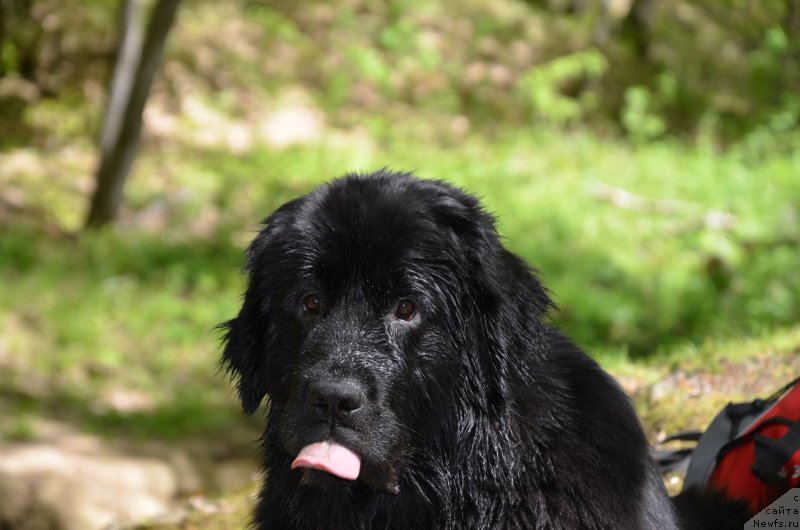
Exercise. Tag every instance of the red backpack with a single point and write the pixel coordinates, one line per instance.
(750, 451)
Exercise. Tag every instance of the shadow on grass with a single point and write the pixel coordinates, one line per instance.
(106, 311)
(185, 417)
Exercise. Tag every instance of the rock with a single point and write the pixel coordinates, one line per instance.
(235, 475)
(185, 469)
(68, 479)
(20, 511)
(50, 487)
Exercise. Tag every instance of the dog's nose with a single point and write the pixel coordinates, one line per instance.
(337, 398)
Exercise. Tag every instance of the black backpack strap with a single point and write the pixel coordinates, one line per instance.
(778, 393)
(771, 455)
(737, 412)
(689, 436)
(724, 428)
(674, 460)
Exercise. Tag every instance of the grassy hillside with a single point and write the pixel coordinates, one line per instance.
(135, 306)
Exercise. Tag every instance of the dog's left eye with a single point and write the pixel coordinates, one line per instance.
(311, 304)
(405, 310)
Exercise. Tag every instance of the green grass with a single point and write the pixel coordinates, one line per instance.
(134, 308)
(623, 279)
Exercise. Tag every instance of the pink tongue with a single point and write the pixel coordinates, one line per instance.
(331, 458)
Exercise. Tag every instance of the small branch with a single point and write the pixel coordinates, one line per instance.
(782, 241)
(711, 219)
(628, 201)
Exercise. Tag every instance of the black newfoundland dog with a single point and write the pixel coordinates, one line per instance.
(413, 380)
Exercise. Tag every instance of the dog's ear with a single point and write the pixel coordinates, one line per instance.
(503, 292)
(512, 307)
(243, 358)
(499, 271)
(460, 212)
(249, 338)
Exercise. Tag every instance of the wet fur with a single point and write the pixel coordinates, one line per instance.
(482, 414)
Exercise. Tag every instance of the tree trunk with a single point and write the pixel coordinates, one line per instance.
(636, 27)
(129, 49)
(791, 23)
(128, 95)
(5, 24)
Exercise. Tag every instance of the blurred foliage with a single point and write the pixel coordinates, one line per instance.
(541, 83)
(645, 68)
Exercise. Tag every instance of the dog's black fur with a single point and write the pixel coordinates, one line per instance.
(474, 413)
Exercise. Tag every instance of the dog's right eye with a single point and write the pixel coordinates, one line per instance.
(405, 310)
(311, 304)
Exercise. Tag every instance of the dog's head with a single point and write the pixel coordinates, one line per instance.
(374, 304)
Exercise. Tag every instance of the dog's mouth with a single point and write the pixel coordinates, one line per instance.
(339, 461)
